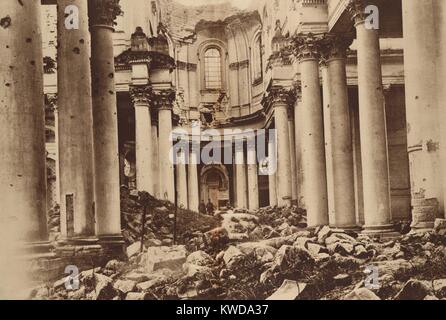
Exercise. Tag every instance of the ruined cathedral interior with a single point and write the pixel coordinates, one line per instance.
(352, 89)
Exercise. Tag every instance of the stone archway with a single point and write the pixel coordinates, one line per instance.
(214, 181)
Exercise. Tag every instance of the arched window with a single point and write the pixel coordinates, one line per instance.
(212, 69)
(257, 60)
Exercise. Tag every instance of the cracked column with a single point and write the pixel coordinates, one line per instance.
(105, 121)
(280, 101)
(253, 181)
(341, 150)
(422, 112)
(77, 208)
(143, 136)
(22, 126)
(164, 100)
(312, 132)
(372, 118)
(240, 171)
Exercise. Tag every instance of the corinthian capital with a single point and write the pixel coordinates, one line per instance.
(307, 46)
(163, 99)
(103, 12)
(334, 46)
(356, 8)
(141, 95)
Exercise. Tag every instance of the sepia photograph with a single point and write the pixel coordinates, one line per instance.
(234, 151)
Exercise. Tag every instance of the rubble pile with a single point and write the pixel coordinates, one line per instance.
(318, 264)
(159, 223)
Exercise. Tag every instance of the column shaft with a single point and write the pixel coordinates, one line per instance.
(192, 181)
(75, 124)
(298, 151)
(313, 144)
(167, 187)
(181, 175)
(328, 143)
(144, 138)
(283, 176)
(341, 156)
(372, 119)
(293, 171)
(240, 165)
(253, 183)
(22, 125)
(422, 111)
(155, 161)
(105, 119)
(272, 157)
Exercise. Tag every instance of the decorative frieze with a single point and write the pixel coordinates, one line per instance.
(239, 65)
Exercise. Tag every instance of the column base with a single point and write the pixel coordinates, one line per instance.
(38, 247)
(346, 229)
(386, 231)
(113, 245)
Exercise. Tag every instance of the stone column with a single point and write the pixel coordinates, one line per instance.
(281, 99)
(240, 171)
(105, 120)
(298, 148)
(341, 156)
(440, 12)
(327, 137)
(312, 139)
(77, 208)
(253, 183)
(422, 111)
(181, 180)
(372, 118)
(193, 192)
(272, 169)
(155, 160)
(164, 100)
(143, 136)
(293, 171)
(22, 127)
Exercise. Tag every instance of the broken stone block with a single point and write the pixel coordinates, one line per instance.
(137, 296)
(171, 258)
(413, 290)
(232, 256)
(323, 234)
(289, 290)
(440, 227)
(114, 265)
(288, 257)
(315, 249)
(125, 286)
(146, 285)
(361, 294)
(361, 252)
(133, 249)
(342, 279)
(262, 252)
(439, 287)
(200, 258)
